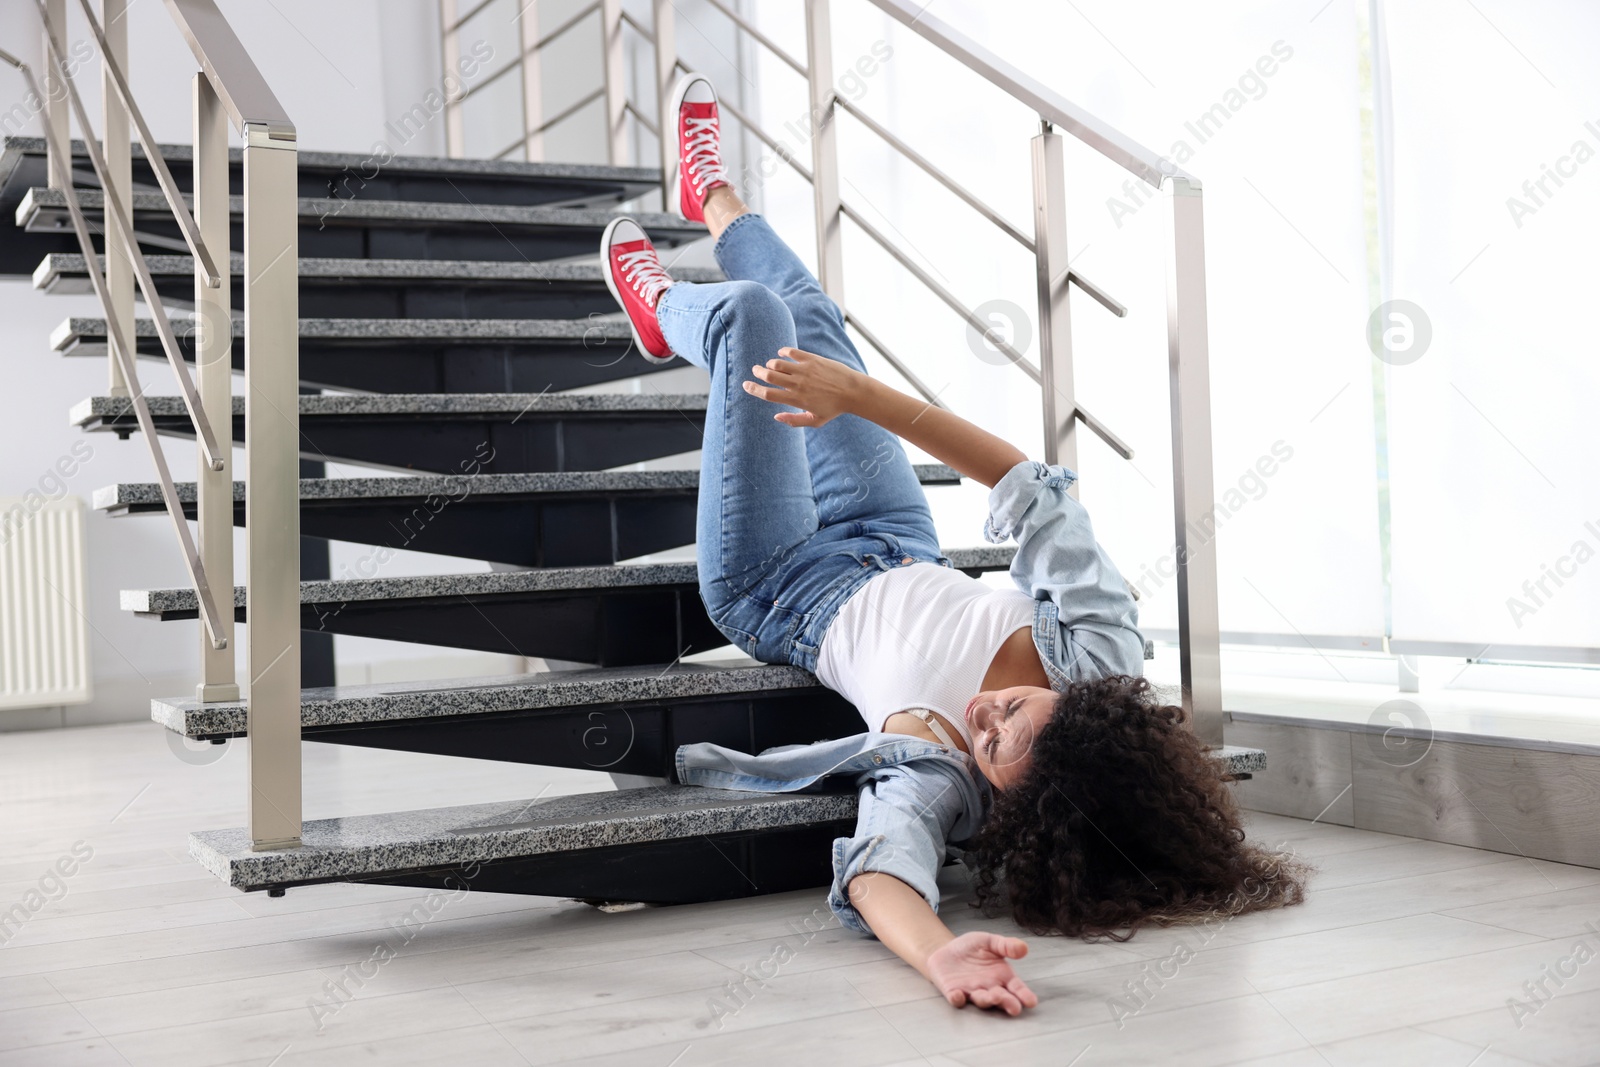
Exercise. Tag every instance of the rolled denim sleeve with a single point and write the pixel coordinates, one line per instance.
(1059, 560)
(905, 815)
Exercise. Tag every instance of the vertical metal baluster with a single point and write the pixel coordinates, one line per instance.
(1055, 311)
(272, 494)
(666, 50)
(1193, 507)
(455, 138)
(532, 86)
(119, 170)
(213, 358)
(616, 75)
(824, 150)
(56, 112)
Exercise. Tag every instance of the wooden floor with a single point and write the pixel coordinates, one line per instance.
(1408, 952)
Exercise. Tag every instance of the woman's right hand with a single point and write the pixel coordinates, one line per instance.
(974, 967)
(823, 388)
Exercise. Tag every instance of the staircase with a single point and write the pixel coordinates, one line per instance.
(457, 308)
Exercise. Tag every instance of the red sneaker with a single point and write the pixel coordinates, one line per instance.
(700, 167)
(636, 280)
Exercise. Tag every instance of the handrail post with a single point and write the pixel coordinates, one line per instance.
(272, 493)
(119, 169)
(455, 138)
(1055, 310)
(213, 357)
(532, 85)
(1193, 507)
(666, 54)
(824, 150)
(616, 74)
(56, 115)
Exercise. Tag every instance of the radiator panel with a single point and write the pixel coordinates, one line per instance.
(44, 641)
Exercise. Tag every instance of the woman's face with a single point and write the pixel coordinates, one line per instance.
(1004, 723)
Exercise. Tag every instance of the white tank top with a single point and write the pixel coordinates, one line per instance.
(918, 636)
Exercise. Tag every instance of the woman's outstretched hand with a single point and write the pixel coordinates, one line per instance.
(974, 967)
(823, 388)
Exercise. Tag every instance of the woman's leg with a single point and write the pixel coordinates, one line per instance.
(859, 471)
(756, 505)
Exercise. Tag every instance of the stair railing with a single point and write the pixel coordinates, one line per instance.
(228, 86)
(1187, 355)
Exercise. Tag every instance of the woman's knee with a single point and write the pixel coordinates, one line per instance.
(752, 305)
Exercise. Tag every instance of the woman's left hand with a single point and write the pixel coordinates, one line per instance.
(975, 968)
(823, 388)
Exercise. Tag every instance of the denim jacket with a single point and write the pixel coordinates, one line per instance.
(1085, 622)
(918, 800)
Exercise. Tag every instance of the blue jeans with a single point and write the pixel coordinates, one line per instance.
(791, 521)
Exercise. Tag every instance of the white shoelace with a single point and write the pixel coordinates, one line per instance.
(703, 154)
(642, 270)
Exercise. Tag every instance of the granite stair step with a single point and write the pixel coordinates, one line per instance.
(627, 720)
(665, 844)
(348, 175)
(380, 229)
(527, 520)
(660, 844)
(423, 355)
(323, 175)
(393, 288)
(606, 616)
(495, 433)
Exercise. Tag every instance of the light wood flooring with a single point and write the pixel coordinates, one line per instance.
(1407, 952)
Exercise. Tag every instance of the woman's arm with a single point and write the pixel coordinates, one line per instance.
(970, 967)
(825, 388)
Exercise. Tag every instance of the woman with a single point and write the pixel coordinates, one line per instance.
(1012, 720)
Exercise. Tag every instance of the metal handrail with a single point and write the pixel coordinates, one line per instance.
(1040, 98)
(854, 321)
(584, 13)
(765, 138)
(233, 85)
(152, 151)
(761, 38)
(1030, 368)
(938, 290)
(576, 18)
(934, 172)
(229, 86)
(122, 351)
(566, 113)
(113, 209)
(639, 28)
(461, 20)
(1117, 444)
(644, 120)
(244, 92)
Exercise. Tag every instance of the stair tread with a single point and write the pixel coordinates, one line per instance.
(658, 224)
(363, 845)
(485, 583)
(75, 330)
(183, 153)
(59, 265)
(124, 494)
(340, 404)
(580, 687)
(388, 702)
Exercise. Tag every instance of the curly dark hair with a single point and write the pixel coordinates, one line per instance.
(1123, 820)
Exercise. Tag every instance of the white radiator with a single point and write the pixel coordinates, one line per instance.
(44, 641)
